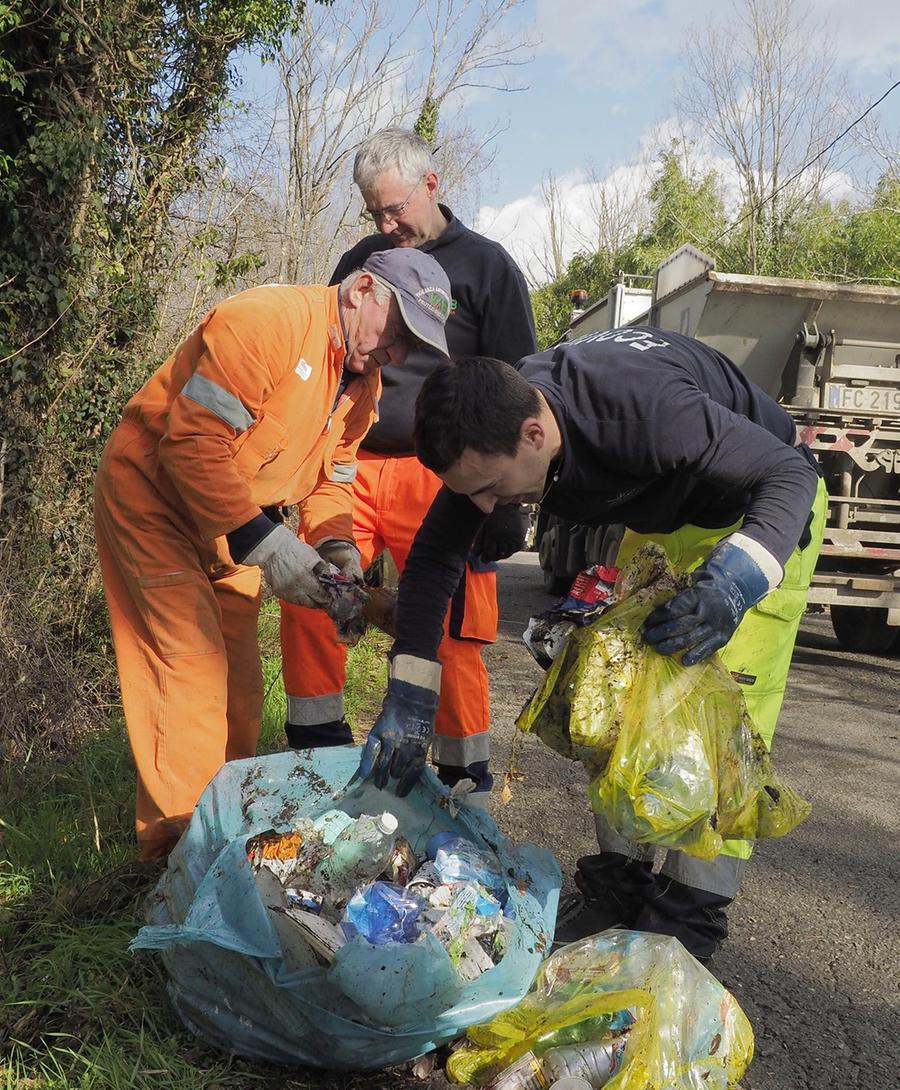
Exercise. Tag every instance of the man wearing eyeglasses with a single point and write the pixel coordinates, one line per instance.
(491, 316)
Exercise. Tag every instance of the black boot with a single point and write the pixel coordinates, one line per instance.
(612, 892)
(696, 917)
(319, 735)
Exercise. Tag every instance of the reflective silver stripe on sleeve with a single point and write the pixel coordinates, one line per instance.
(344, 473)
(219, 402)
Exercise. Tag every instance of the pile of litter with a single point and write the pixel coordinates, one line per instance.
(300, 924)
(330, 879)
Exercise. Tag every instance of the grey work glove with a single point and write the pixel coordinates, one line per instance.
(291, 568)
(345, 557)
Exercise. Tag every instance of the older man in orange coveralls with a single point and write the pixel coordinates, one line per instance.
(263, 405)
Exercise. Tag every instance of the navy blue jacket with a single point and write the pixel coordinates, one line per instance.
(491, 317)
(658, 431)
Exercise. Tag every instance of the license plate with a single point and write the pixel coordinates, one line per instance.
(877, 399)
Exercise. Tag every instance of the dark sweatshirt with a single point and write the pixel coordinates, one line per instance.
(658, 431)
(491, 317)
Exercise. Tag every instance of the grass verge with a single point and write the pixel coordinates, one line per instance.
(77, 1012)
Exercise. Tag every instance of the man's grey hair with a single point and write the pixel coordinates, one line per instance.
(381, 290)
(392, 149)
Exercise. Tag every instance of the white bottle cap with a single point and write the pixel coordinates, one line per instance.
(387, 823)
(571, 1082)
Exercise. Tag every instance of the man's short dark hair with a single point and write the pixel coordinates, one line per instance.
(475, 402)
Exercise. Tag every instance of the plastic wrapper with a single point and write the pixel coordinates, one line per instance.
(684, 1030)
(674, 758)
(590, 595)
(457, 859)
(232, 982)
(280, 853)
(382, 912)
(347, 607)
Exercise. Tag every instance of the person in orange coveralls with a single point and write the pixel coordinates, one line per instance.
(263, 405)
(395, 172)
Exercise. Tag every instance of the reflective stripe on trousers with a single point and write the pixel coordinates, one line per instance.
(760, 652)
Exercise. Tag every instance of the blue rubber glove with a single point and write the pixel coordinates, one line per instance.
(398, 743)
(703, 617)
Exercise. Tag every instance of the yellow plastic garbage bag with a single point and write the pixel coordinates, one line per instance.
(684, 1030)
(672, 752)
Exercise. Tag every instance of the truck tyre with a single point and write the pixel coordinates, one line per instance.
(557, 585)
(609, 549)
(863, 629)
(550, 545)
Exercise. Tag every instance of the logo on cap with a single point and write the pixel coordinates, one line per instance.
(435, 300)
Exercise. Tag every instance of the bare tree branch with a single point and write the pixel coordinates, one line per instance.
(763, 97)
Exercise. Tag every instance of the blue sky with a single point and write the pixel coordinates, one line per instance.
(603, 81)
(599, 92)
(605, 74)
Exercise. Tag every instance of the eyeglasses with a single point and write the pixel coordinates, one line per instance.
(392, 211)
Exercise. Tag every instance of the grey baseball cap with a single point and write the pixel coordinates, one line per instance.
(421, 289)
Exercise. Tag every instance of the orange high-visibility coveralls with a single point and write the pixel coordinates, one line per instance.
(391, 498)
(247, 413)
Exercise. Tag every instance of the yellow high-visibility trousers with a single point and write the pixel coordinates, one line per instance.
(759, 658)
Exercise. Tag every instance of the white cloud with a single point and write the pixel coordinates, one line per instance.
(522, 225)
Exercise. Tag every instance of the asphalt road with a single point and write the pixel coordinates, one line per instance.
(814, 950)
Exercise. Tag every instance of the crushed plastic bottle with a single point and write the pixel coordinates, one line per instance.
(526, 1073)
(592, 1065)
(382, 912)
(358, 855)
(597, 1063)
(588, 1030)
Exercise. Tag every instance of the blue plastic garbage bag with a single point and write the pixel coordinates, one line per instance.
(374, 1005)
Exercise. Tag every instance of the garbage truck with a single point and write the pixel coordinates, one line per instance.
(830, 354)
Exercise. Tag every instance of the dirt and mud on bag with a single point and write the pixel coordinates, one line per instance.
(624, 1010)
(301, 922)
(672, 753)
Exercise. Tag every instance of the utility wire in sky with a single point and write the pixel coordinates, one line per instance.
(806, 166)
